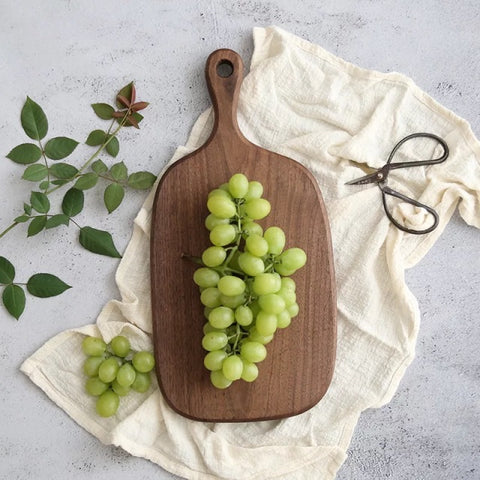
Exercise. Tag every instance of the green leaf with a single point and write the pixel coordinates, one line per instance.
(86, 181)
(27, 208)
(45, 285)
(40, 202)
(44, 185)
(57, 220)
(59, 182)
(25, 154)
(113, 147)
(96, 137)
(33, 119)
(60, 147)
(119, 171)
(103, 110)
(22, 219)
(36, 225)
(98, 241)
(14, 300)
(63, 170)
(35, 173)
(7, 271)
(125, 91)
(141, 180)
(113, 196)
(72, 203)
(99, 167)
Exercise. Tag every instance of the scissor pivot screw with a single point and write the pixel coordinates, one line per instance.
(379, 175)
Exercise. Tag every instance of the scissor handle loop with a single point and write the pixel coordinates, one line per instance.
(418, 163)
(388, 191)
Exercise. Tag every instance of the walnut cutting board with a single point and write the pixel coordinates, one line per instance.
(300, 360)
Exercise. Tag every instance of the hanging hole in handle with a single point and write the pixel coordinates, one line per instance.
(225, 68)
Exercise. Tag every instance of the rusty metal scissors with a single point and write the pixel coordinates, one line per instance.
(380, 178)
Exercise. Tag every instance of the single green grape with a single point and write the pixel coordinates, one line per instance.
(257, 208)
(283, 319)
(224, 186)
(232, 367)
(243, 315)
(142, 382)
(288, 284)
(267, 283)
(221, 207)
(91, 366)
(282, 270)
(222, 235)
(252, 228)
(221, 192)
(218, 380)
(232, 301)
(214, 341)
(249, 372)
(221, 317)
(289, 296)
(275, 237)
(254, 336)
(95, 387)
(255, 190)
(212, 221)
(206, 277)
(107, 404)
(126, 375)
(256, 245)
(93, 346)
(208, 327)
(120, 390)
(214, 256)
(266, 323)
(210, 297)
(238, 185)
(293, 310)
(214, 360)
(253, 352)
(108, 370)
(271, 303)
(206, 312)
(231, 285)
(143, 362)
(251, 264)
(293, 258)
(254, 307)
(120, 346)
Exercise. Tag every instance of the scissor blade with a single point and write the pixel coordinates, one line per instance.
(371, 178)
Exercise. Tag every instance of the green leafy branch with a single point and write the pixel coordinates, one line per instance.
(51, 177)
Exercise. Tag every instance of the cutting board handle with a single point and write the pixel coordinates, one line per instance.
(224, 72)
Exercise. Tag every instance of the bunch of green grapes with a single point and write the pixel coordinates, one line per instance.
(244, 281)
(114, 370)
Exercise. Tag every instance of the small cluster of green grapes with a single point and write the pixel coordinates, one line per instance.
(114, 370)
(244, 282)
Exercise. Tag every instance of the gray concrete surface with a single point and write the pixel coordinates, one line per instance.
(66, 55)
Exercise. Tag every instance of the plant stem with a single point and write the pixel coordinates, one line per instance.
(13, 225)
(82, 168)
(46, 164)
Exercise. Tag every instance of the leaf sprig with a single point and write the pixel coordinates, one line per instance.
(43, 166)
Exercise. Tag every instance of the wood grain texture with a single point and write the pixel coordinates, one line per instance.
(300, 360)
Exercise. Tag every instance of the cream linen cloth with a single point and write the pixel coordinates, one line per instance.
(333, 117)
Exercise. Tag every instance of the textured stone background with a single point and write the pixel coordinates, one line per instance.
(66, 55)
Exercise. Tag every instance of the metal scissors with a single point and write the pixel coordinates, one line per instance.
(380, 178)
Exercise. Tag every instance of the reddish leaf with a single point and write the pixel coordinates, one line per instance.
(139, 106)
(133, 95)
(118, 114)
(132, 121)
(123, 100)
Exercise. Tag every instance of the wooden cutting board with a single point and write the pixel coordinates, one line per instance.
(300, 360)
